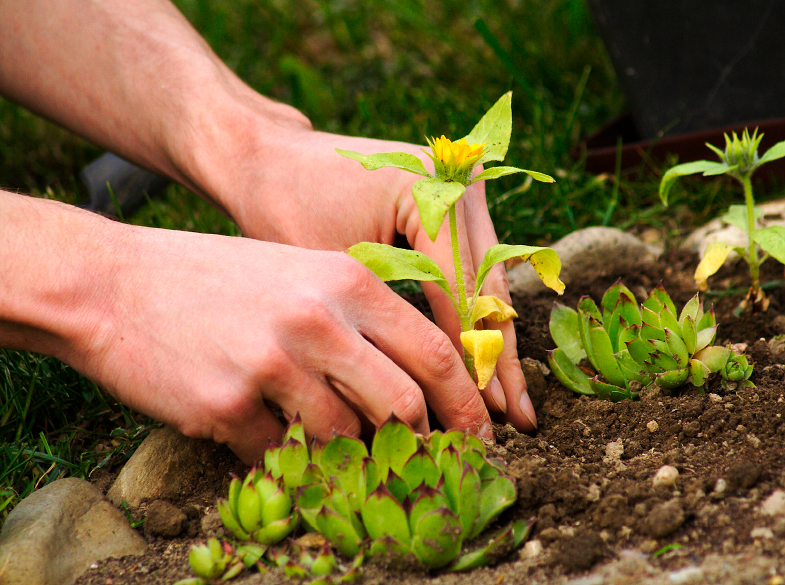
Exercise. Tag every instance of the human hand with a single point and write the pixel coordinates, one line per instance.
(309, 196)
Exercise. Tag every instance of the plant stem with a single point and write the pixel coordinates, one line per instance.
(456, 257)
(463, 306)
(752, 251)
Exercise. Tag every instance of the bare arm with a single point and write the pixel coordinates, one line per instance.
(135, 77)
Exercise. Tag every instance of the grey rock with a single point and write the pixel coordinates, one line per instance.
(166, 466)
(164, 519)
(594, 250)
(717, 231)
(56, 533)
(664, 519)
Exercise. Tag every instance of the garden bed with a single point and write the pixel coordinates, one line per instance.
(586, 476)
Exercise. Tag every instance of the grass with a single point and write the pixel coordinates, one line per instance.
(397, 70)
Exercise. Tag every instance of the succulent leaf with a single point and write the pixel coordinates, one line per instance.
(677, 347)
(602, 351)
(420, 468)
(714, 356)
(339, 531)
(342, 459)
(705, 337)
(397, 486)
(383, 516)
(689, 334)
(699, 372)
(611, 298)
(668, 320)
(470, 502)
(563, 326)
(249, 509)
(690, 310)
(392, 446)
(293, 458)
(568, 373)
(436, 539)
(672, 378)
(230, 521)
(426, 500)
(496, 496)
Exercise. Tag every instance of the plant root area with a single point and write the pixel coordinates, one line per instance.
(586, 477)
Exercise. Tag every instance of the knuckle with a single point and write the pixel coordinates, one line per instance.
(409, 406)
(438, 353)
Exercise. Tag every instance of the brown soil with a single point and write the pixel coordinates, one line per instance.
(589, 505)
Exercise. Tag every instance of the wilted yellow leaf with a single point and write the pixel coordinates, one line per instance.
(487, 306)
(713, 258)
(486, 347)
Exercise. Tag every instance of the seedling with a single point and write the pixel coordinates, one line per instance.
(217, 561)
(739, 160)
(436, 196)
(630, 346)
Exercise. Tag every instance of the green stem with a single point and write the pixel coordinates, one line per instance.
(463, 306)
(456, 257)
(752, 251)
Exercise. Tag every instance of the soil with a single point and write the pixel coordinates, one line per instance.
(585, 477)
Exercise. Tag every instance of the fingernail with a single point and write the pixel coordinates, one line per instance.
(527, 408)
(497, 394)
(486, 431)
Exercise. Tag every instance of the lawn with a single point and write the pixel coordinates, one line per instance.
(398, 70)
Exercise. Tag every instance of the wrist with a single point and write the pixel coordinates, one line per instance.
(59, 263)
(228, 136)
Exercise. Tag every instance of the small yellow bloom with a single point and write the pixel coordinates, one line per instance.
(486, 347)
(455, 153)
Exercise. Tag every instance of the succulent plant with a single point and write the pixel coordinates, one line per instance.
(258, 508)
(412, 494)
(736, 373)
(218, 561)
(631, 346)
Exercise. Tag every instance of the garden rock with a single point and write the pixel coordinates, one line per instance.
(165, 466)
(717, 231)
(590, 251)
(56, 534)
(164, 519)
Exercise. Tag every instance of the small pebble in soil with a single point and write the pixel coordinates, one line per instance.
(531, 549)
(666, 476)
(774, 505)
(652, 426)
(664, 519)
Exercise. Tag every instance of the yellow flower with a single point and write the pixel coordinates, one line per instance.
(455, 153)
(485, 346)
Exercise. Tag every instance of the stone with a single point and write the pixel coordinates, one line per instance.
(212, 525)
(653, 426)
(774, 505)
(666, 476)
(594, 250)
(164, 519)
(166, 466)
(717, 231)
(56, 534)
(664, 519)
(532, 549)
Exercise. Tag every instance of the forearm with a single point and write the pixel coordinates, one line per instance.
(133, 76)
(56, 263)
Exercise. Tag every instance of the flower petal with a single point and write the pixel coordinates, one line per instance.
(486, 347)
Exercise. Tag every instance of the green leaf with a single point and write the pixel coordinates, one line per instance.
(339, 532)
(611, 298)
(494, 128)
(384, 516)
(737, 216)
(545, 261)
(602, 351)
(497, 495)
(714, 356)
(691, 168)
(775, 152)
(342, 459)
(437, 540)
(391, 263)
(564, 328)
(434, 198)
(659, 298)
(293, 459)
(496, 172)
(399, 160)
(772, 240)
(426, 500)
(469, 500)
(420, 468)
(672, 378)
(392, 446)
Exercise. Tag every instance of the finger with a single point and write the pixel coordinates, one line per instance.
(428, 356)
(508, 391)
(248, 440)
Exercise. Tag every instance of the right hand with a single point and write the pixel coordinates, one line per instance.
(207, 333)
